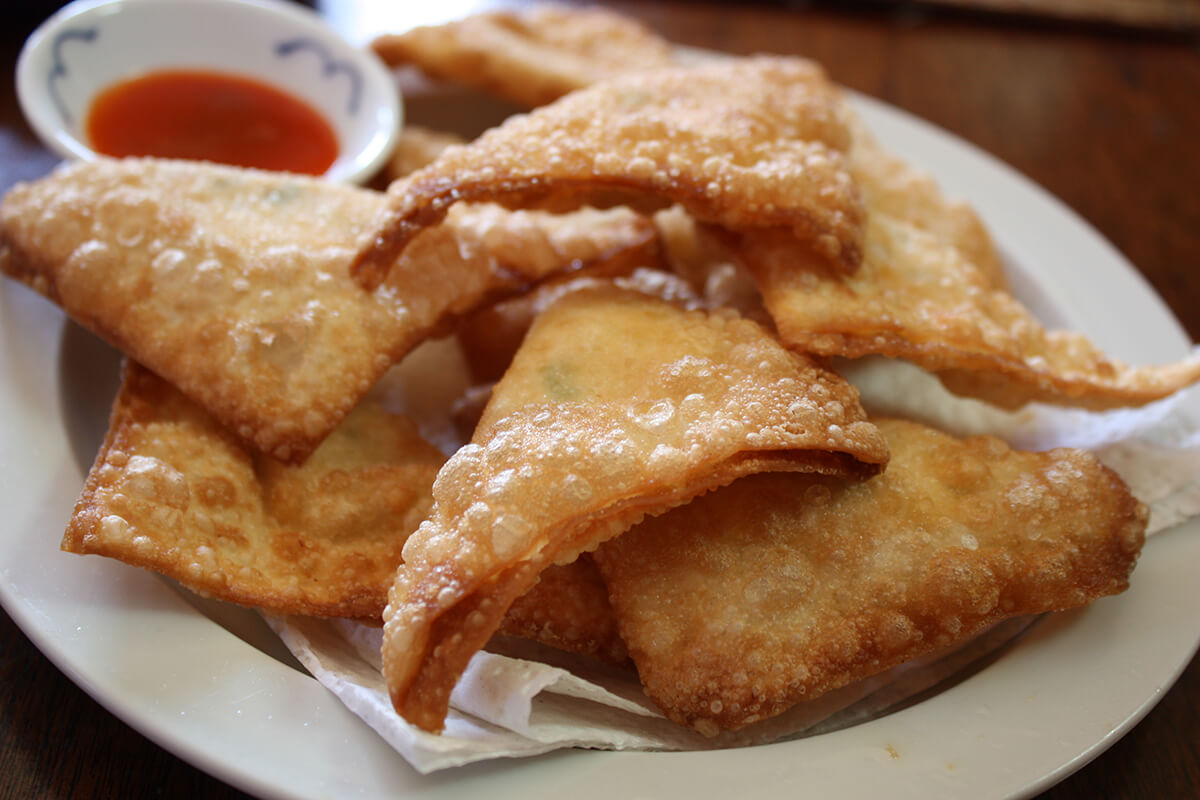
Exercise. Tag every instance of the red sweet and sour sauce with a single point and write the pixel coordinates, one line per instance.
(211, 116)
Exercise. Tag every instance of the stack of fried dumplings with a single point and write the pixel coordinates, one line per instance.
(648, 275)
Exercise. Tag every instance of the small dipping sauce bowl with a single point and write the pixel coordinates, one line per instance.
(90, 46)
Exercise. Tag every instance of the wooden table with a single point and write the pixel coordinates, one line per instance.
(1107, 120)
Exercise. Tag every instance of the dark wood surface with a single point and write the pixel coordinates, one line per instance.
(1106, 119)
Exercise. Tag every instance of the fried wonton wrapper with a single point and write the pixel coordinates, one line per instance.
(234, 286)
(173, 491)
(745, 144)
(617, 405)
(779, 588)
(917, 298)
(530, 57)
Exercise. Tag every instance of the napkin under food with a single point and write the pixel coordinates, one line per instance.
(520, 699)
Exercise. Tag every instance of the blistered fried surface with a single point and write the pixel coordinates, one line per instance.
(416, 148)
(230, 284)
(746, 144)
(530, 57)
(778, 588)
(894, 188)
(173, 491)
(617, 405)
(915, 297)
(234, 286)
(568, 608)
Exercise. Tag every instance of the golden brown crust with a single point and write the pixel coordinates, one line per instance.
(916, 297)
(173, 491)
(617, 405)
(204, 274)
(748, 144)
(530, 57)
(778, 588)
(233, 284)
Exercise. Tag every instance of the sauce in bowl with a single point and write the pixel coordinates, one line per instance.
(210, 116)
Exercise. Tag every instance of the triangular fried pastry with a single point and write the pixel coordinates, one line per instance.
(234, 285)
(779, 588)
(173, 491)
(617, 405)
(529, 57)
(917, 298)
(745, 144)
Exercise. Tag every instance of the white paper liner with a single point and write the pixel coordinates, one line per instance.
(507, 706)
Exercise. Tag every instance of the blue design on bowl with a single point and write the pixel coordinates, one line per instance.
(59, 67)
(330, 66)
(91, 45)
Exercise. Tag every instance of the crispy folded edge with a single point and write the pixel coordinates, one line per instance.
(420, 686)
(425, 198)
(1067, 369)
(140, 401)
(526, 57)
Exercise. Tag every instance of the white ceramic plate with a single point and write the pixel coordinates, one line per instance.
(210, 684)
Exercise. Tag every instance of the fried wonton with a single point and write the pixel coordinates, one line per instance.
(617, 405)
(533, 247)
(173, 491)
(490, 334)
(779, 588)
(749, 145)
(234, 285)
(917, 298)
(530, 57)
